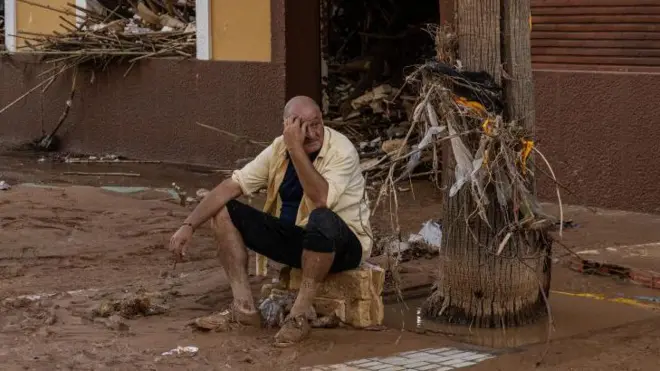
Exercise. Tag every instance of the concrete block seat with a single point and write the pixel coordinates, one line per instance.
(354, 296)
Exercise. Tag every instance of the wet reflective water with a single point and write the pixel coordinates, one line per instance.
(571, 316)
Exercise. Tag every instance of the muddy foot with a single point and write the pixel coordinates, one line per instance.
(293, 331)
(222, 321)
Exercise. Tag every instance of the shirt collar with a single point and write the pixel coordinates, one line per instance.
(327, 137)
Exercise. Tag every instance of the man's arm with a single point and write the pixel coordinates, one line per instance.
(213, 203)
(314, 184)
(245, 181)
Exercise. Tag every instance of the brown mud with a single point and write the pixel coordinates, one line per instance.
(69, 253)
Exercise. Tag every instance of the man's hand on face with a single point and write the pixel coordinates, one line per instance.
(179, 242)
(295, 131)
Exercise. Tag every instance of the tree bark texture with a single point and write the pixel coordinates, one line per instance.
(475, 286)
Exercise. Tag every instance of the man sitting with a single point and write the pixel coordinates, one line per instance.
(315, 217)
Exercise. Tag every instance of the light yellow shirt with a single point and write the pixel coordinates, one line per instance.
(338, 162)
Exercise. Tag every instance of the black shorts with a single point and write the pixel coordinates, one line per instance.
(325, 232)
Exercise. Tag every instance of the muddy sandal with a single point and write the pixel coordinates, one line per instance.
(293, 331)
(222, 321)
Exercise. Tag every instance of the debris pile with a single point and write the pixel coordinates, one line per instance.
(132, 305)
(366, 48)
(113, 29)
(490, 156)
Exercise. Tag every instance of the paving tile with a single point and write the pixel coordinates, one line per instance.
(369, 365)
(420, 357)
(359, 362)
(452, 362)
(407, 354)
(438, 359)
(397, 361)
(450, 352)
(416, 364)
(440, 350)
(430, 359)
(380, 367)
(477, 357)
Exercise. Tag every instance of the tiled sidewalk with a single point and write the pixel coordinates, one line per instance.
(442, 359)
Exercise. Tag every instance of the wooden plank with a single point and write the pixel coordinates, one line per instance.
(567, 3)
(622, 61)
(584, 10)
(624, 44)
(605, 52)
(583, 27)
(615, 19)
(639, 36)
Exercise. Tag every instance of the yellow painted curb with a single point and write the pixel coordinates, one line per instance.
(627, 301)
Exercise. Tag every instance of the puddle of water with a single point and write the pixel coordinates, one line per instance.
(571, 315)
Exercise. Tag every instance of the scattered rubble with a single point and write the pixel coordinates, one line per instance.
(133, 305)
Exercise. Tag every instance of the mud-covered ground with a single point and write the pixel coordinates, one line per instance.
(71, 256)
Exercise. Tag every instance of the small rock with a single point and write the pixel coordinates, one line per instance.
(4, 186)
(201, 193)
(116, 323)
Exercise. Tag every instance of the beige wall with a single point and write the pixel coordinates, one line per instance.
(240, 30)
(34, 19)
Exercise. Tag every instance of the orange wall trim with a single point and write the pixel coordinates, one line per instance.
(241, 30)
(34, 19)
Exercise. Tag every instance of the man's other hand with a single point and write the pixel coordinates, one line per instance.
(295, 131)
(180, 240)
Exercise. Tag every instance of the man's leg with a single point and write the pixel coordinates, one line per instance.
(328, 245)
(238, 227)
(234, 259)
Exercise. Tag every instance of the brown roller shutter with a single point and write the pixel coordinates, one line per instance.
(596, 34)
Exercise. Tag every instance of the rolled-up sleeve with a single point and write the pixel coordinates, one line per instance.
(339, 173)
(254, 176)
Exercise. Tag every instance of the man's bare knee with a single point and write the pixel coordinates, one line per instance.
(221, 221)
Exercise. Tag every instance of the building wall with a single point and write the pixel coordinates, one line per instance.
(151, 113)
(600, 131)
(597, 68)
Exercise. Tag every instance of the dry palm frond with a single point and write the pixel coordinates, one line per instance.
(492, 156)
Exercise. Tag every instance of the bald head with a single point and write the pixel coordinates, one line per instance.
(305, 112)
(303, 107)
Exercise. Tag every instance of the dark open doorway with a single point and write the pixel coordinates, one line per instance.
(367, 47)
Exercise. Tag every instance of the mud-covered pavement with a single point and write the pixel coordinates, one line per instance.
(69, 254)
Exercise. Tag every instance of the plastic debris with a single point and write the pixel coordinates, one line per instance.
(275, 307)
(189, 350)
(588, 252)
(653, 299)
(431, 234)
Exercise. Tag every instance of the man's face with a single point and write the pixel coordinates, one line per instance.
(314, 128)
